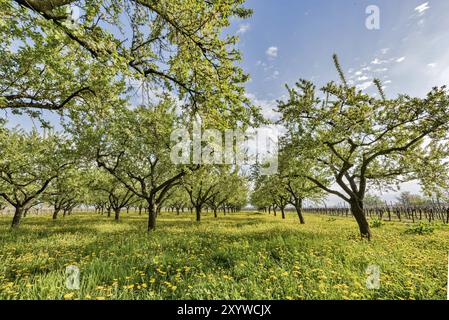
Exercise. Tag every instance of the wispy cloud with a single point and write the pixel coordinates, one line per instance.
(243, 28)
(421, 9)
(401, 59)
(364, 85)
(378, 61)
(272, 52)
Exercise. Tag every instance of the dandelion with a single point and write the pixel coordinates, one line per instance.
(69, 296)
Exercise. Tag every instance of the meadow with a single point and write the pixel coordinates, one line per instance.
(237, 256)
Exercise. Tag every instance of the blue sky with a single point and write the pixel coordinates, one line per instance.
(286, 40)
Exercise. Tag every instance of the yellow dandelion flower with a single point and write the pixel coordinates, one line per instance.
(68, 296)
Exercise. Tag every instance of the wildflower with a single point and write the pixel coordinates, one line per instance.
(69, 296)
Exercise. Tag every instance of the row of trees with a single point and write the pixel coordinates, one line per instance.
(53, 170)
(338, 140)
(345, 142)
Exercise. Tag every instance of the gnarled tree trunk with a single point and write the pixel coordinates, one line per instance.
(359, 215)
(17, 216)
(151, 218)
(298, 207)
(198, 213)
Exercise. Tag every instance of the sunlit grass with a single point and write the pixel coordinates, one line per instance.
(237, 256)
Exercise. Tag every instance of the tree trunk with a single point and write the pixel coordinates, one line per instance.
(55, 213)
(17, 216)
(177, 211)
(359, 215)
(283, 212)
(117, 214)
(151, 218)
(298, 207)
(215, 213)
(198, 213)
(109, 212)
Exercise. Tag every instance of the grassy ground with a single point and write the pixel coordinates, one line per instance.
(239, 256)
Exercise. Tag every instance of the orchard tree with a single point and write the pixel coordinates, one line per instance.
(273, 191)
(179, 199)
(239, 191)
(67, 190)
(233, 190)
(29, 163)
(409, 199)
(201, 185)
(357, 139)
(259, 197)
(59, 54)
(118, 195)
(2, 205)
(372, 200)
(292, 170)
(133, 145)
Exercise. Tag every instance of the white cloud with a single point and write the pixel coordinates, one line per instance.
(364, 85)
(362, 78)
(272, 52)
(432, 65)
(401, 59)
(421, 9)
(273, 76)
(385, 50)
(243, 28)
(378, 61)
(268, 106)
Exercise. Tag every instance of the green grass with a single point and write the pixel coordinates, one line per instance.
(237, 256)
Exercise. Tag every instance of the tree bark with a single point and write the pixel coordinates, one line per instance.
(283, 213)
(298, 207)
(151, 218)
(117, 214)
(359, 215)
(198, 213)
(17, 216)
(55, 214)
